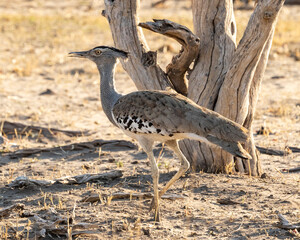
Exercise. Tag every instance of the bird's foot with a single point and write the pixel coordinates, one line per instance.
(153, 205)
(156, 215)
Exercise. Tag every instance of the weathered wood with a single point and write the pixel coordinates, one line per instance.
(291, 170)
(56, 225)
(24, 181)
(293, 2)
(116, 144)
(215, 25)
(237, 98)
(285, 224)
(21, 129)
(190, 43)
(225, 77)
(254, 164)
(226, 201)
(288, 150)
(5, 212)
(234, 92)
(123, 21)
(84, 178)
(122, 195)
(233, 100)
(272, 152)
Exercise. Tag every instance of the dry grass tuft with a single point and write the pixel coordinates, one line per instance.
(280, 111)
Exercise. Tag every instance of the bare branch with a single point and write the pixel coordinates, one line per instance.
(190, 47)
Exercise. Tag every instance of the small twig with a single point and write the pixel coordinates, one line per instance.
(296, 169)
(60, 226)
(269, 151)
(226, 201)
(275, 152)
(239, 226)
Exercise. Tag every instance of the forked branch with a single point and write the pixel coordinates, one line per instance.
(245, 61)
(190, 48)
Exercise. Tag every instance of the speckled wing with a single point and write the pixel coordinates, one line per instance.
(168, 113)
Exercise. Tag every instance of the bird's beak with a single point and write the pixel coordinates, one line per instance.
(82, 54)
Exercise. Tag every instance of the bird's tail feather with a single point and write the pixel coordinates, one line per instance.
(235, 148)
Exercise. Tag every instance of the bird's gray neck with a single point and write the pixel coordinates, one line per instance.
(109, 95)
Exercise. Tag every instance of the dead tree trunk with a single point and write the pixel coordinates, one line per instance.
(225, 77)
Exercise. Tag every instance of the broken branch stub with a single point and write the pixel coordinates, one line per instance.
(190, 48)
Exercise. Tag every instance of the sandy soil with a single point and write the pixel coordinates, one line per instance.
(40, 86)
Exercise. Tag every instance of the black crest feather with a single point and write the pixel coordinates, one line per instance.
(114, 49)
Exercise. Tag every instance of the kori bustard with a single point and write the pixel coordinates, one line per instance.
(163, 116)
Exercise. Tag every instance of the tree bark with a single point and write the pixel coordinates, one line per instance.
(225, 77)
(214, 24)
(237, 99)
(141, 65)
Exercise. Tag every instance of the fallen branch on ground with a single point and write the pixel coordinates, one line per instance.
(296, 169)
(275, 152)
(5, 212)
(285, 224)
(24, 181)
(61, 226)
(71, 147)
(12, 127)
(122, 195)
(84, 178)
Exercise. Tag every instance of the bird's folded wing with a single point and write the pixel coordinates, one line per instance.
(171, 113)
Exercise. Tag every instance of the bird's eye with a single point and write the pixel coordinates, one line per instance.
(97, 52)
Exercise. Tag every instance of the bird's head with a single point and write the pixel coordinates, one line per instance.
(100, 54)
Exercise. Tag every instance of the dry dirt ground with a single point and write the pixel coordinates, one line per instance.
(40, 86)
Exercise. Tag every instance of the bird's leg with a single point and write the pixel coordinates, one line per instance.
(155, 178)
(185, 165)
(147, 146)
